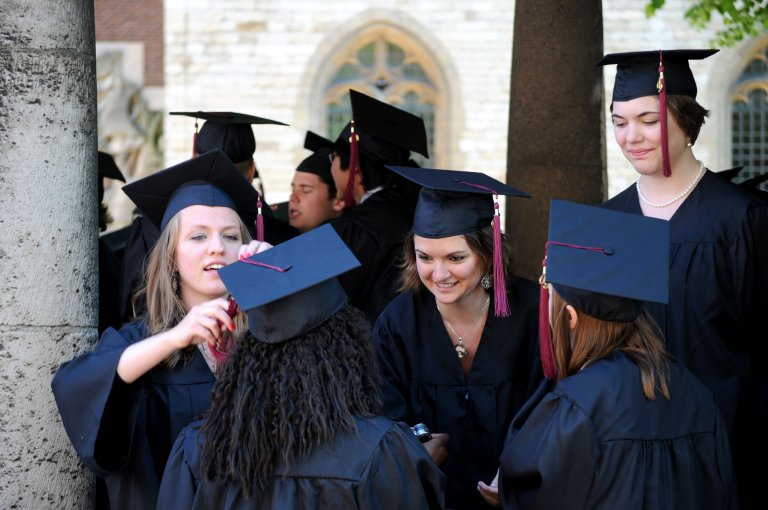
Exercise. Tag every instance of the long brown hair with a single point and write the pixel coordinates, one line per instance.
(480, 242)
(273, 403)
(164, 306)
(595, 339)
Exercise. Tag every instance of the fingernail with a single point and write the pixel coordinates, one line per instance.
(232, 327)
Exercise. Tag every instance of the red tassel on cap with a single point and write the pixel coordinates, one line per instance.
(354, 167)
(259, 220)
(194, 141)
(661, 87)
(227, 342)
(545, 331)
(501, 307)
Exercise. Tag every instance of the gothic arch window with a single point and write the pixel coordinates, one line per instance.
(390, 67)
(749, 116)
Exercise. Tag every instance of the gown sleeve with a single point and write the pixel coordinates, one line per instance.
(395, 379)
(179, 485)
(97, 408)
(401, 475)
(551, 460)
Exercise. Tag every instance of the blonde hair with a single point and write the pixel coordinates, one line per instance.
(595, 339)
(164, 306)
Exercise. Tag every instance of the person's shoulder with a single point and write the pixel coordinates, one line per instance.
(728, 195)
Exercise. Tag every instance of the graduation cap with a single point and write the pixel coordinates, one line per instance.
(730, 174)
(604, 263)
(381, 132)
(291, 288)
(650, 73)
(228, 131)
(456, 202)
(319, 162)
(107, 169)
(210, 179)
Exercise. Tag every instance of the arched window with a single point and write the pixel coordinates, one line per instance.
(749, 116)
(390, 71)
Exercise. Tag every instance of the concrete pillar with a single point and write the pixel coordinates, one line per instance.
(48, 240)
(556, 145)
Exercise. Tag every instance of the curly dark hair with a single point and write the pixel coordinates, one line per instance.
(276, 402)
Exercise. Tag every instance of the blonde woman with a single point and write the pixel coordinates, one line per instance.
(124, 403)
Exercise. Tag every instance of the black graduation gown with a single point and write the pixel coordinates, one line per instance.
(425, 383)
(374, 231)
(381, 466)
(593, 441)
(124, 432)
(715, 321)
(109, 282)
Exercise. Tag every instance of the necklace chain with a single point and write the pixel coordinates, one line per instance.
(461, 351)
(676, 197)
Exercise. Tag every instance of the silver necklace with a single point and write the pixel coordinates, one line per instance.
(461, 351)
(676, 197)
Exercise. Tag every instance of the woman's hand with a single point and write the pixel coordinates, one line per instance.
(203, 323)
(437, 447)
(490, 493)
(252, 248)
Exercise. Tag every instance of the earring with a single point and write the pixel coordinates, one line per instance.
(690, 144)
(176, 283)
(486, 281)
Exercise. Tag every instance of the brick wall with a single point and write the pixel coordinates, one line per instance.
(135, 21)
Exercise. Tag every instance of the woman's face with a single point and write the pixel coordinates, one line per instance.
(637, 129)
(448, 268)
(209, 238)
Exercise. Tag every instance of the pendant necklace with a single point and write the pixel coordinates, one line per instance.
(461, 351)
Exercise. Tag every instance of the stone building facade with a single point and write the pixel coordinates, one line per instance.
(448, 60)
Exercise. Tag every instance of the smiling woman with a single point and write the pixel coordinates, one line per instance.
(458, 348)
(123, 404)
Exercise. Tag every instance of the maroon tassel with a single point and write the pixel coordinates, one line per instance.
(545, 331)
(501, 307)
(661, 87)
(354, 164)
(259, 221)
(227, 342)
(194, 141)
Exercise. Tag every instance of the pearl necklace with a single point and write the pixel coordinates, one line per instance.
(461, 351)
(676, 197)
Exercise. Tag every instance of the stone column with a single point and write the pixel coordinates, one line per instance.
(48, 240)
(556, 145)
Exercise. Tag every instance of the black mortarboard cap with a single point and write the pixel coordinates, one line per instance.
(453, 202)
(107, 169)
(209, 179)
(386, 132)
(291, 288)
(731, 173)
(315, 142)
(637, 73)
(456, 202)
(319, 162)
(607, 263)
(228, 131)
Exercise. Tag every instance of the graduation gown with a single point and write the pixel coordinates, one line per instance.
(718, 297)
(593, 441)
(381, 466)
(374, 231)
(423, 381)
(124, 432)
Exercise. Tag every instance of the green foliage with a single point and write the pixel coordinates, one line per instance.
(741, 18)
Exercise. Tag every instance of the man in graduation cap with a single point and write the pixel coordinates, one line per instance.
(715, 319)
(313, 199)
(379, 204)
(308, 436)
(231, 133)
